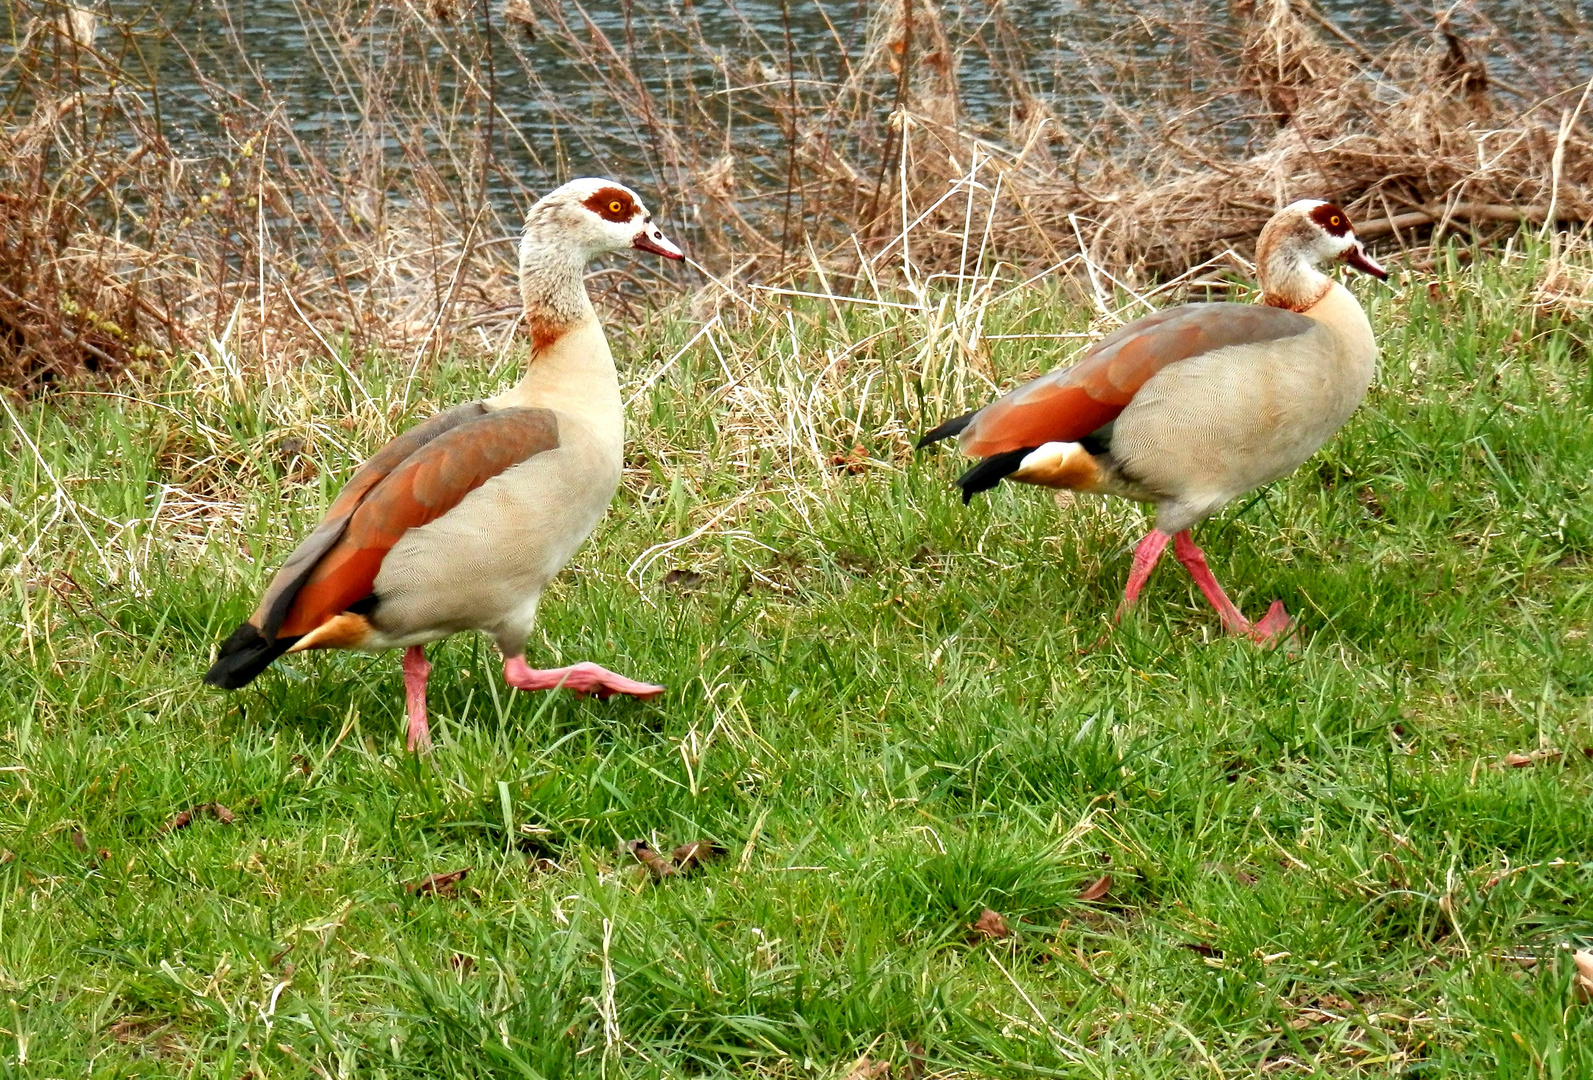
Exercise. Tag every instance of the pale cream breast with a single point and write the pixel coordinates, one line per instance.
(492, 555)
(1340, 312)
(574, 376)
(1205, 430)
(483, 564)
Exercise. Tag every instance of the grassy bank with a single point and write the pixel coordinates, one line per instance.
(892, 711)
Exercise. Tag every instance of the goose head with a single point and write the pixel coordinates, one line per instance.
(1300, 240)
(568, 228)
(590, 217)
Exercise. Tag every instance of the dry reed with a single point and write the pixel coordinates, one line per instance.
(120, 243)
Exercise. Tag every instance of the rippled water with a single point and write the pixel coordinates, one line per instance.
(294, 52)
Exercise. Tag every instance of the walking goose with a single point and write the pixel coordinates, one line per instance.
(1192, 406)
(458, 523)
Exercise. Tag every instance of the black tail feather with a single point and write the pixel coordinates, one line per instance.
(990, 472)
(243, 656)
(948, 429)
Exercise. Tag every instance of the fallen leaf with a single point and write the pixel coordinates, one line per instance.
(1306, 1017)
(684, 580)
(916, 1063)
(656, 864)
(990, 924)
(853, 462)
(1368, 499)
(865, 1069)
(462, 963)
(1097, 888)
(1203, 949)
(1584, 974)
(1238, 873)
(546, 866)
(438, 884)
(1523, 959)
(1522, 761)
(79, 841)
(184, 818)
(7, 855)
(689, 857)
(136, 1029)
(855, 562)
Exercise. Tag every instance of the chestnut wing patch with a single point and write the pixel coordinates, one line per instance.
(285, 585)
(1067, 405)
(425, 486)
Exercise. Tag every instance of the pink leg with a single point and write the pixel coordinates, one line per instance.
(583, 678)
(1274, 623)
(1146, 555)
(1194, 561)
(416, 669)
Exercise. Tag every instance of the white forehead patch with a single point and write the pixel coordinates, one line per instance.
(1303, 206)
(582, 188)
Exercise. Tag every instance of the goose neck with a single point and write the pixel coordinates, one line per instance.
(1289, 280)
(574, 375)
(552, 288)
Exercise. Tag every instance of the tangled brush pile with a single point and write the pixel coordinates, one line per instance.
(1415, 139)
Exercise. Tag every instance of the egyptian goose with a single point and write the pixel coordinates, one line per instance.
(459, 523)
(1195, 405)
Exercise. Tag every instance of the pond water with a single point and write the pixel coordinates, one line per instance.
(288, 52)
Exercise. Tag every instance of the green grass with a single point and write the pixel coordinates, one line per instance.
(892, 710)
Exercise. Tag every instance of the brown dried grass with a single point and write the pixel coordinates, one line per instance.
(118, 247)
(1414, 139)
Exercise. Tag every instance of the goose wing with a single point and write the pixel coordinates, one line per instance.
(413, 480)
(1069, 404)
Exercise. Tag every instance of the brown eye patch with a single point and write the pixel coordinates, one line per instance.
(1332, 219)
(611, 204)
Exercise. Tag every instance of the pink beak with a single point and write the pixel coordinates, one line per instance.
(651, 239)
(1358, 258)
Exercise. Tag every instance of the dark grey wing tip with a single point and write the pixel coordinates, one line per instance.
(951, 427)
(243, 656)
(990, 472)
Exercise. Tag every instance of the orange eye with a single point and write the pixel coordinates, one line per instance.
(616, 206)
(1334, 221)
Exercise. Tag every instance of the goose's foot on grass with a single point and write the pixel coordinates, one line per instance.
(1270, 631)
(1273, 625)
(584, 678)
